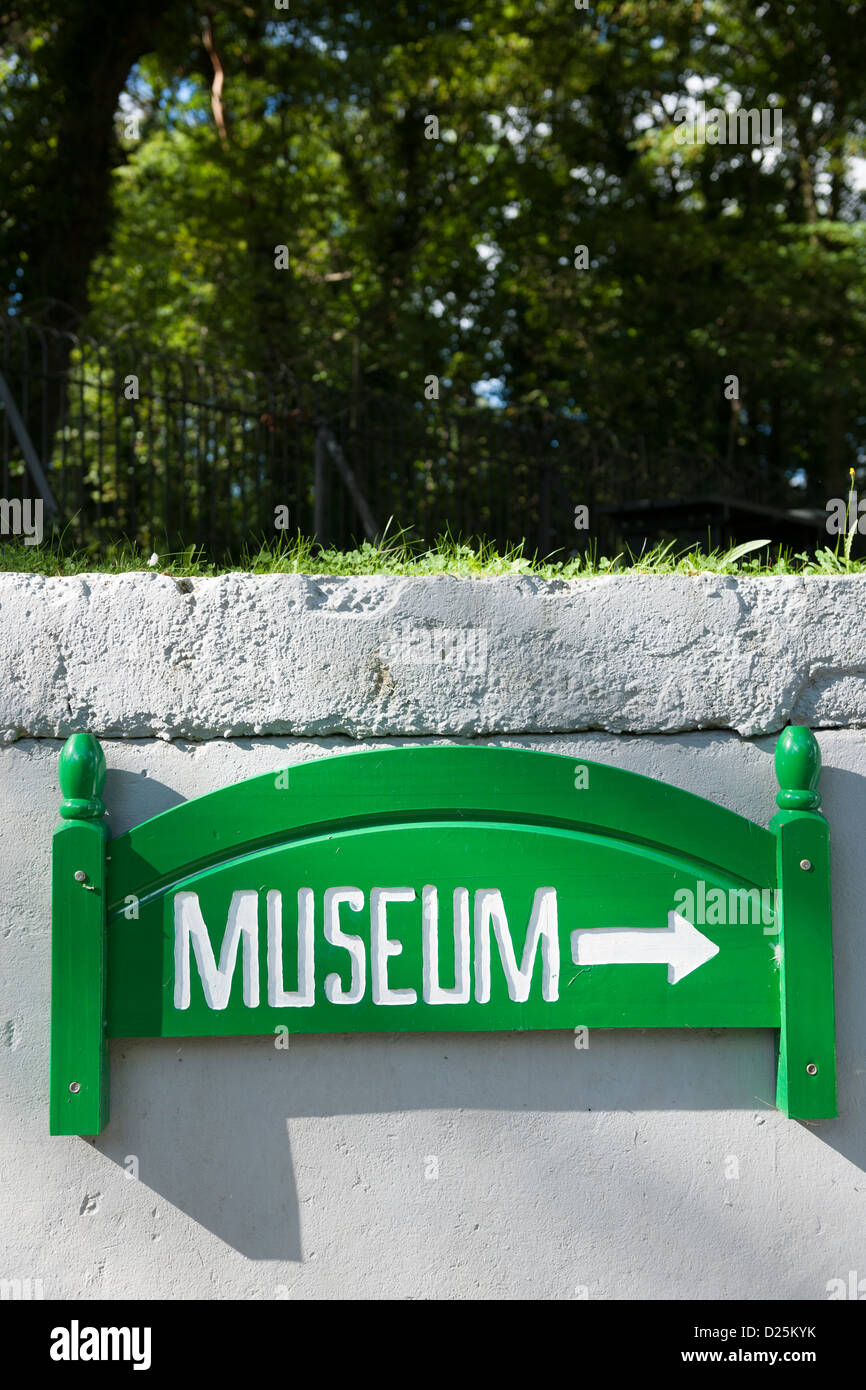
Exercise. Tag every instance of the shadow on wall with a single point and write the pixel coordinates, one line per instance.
(213, 1136)
(137, 792)
(210, 1121)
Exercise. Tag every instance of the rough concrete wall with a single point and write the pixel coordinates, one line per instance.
(143, 655)
(562, 1173)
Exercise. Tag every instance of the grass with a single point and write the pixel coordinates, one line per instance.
(399, 555)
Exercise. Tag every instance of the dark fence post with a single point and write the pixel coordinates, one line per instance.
(544, 508)
(31, 459)
(320, 486)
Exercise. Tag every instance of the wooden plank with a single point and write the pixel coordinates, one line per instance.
(402, 784)
(79, 1054)
(493, 880)
(806, 1080)
(615, 848)
(523, 890)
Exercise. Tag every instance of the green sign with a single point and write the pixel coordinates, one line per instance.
(440, 889)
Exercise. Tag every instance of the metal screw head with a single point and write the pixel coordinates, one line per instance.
(806, 865)
(80, 876)
(75, 1087)
(811, 1069)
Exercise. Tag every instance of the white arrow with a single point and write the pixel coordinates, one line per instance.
(678, 945)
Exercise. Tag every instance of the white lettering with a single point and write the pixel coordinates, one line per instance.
(217, 965)
(334, 991)
(243, 921)
(303, 998)
(433, 991)
(381, 947)
(542, 927)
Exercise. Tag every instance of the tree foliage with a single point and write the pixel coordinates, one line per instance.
(310, 127)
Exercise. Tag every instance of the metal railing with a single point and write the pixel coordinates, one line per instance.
(168, 452)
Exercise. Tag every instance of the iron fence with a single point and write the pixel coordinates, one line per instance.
(167, 452)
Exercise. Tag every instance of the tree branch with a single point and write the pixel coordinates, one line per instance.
(216, 88)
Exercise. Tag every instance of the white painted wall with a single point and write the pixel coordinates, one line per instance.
(310, 1173)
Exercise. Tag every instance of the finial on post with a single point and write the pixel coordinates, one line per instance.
(82, 777)
(798, 768)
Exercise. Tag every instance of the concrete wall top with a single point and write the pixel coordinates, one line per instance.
(142, 655)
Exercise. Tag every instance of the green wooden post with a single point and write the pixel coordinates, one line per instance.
(806, 1081)
(79, 1054)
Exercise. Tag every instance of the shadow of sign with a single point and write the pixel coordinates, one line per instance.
(216, 1137)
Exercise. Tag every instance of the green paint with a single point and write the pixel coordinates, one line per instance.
(806, 1084)
(79, 1055)
(476, 889)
